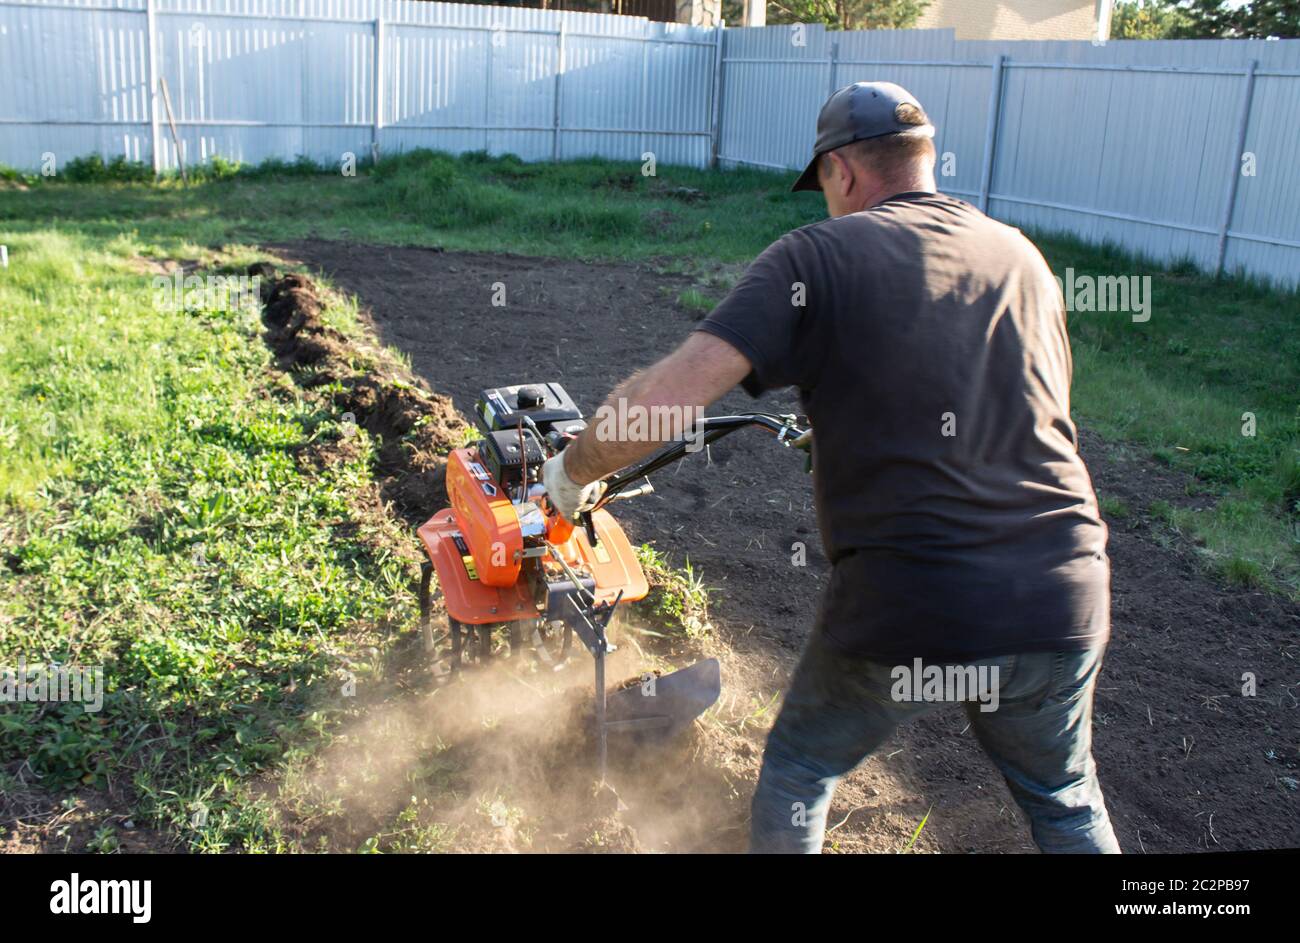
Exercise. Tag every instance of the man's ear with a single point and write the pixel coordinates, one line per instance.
(839, 175)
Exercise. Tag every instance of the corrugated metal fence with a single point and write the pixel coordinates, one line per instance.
(1171, 149)
(251, 79)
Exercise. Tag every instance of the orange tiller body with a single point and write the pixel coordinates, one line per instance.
(484, 584)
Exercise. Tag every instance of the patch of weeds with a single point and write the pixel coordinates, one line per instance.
(694, 300)
(1242, 572)
(678, 600)
(92, 169)
(1113, 508)
(411, 834)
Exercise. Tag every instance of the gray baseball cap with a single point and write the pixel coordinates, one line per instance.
(857, 112)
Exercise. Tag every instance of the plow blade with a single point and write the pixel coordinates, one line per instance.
(661, 707)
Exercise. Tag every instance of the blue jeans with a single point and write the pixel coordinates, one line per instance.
(839, 710)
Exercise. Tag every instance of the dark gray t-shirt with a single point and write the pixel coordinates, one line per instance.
(929, 346)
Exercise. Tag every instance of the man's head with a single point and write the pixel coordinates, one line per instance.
(873, 140)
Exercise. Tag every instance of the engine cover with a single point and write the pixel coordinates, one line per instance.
(546, 404)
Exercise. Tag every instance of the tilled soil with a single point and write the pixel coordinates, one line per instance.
(1187, 761)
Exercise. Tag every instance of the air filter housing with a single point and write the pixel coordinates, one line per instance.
(546, 404)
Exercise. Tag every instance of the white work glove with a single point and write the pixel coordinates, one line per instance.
(567, 496)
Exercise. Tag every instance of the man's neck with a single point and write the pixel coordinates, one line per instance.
(920, 183)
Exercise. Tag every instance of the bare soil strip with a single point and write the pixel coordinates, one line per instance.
(500, 760)
(1187, 761)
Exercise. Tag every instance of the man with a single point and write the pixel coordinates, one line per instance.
(929, 346)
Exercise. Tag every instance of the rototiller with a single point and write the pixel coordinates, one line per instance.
(506, 559)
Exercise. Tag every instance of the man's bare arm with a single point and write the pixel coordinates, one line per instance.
(692, 377)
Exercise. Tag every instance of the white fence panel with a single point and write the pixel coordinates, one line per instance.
(1134, 143)
(73, 81)
(1137, 143)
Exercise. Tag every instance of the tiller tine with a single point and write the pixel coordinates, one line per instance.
(659, 707)
(652, 709)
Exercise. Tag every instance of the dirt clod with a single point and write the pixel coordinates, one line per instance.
(415, 426)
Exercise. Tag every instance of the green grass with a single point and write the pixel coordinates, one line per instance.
(695, 300)
(1114, 509)
(588, 208)
(156, 523)
(1185, 386)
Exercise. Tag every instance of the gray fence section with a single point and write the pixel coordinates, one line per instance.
(251, 79)
(1136, 143)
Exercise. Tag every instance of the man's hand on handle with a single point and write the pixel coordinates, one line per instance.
(567, 496)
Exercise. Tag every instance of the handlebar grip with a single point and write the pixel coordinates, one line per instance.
(644, 489)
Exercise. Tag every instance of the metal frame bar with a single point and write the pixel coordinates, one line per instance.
(237, 123)
(1106, 214)
(151, 67)
(487, 93)
(379, 81)
(645, 101)
(1123, 67)
(1265, 240)
(1234, 171)
(557, 107)
(991, 132)
(753, 163)
(73, 123)
(1014, 64)
(749, 60)
(72, 6)
(832, 62)
(241, 123)
(549, 129)
(715, 96)
(948, 63)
